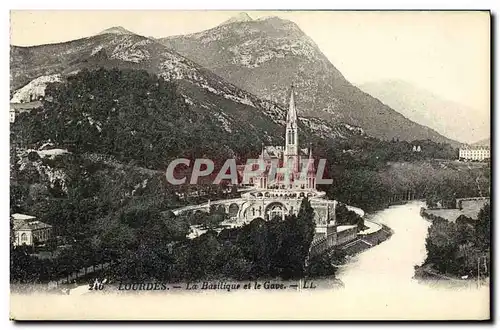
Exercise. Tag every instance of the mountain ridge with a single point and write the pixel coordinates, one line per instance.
(93, 51)
(237, 111)
(241, 17)
(116, 30)
(263, 56)
(429, 109)
(483, 142)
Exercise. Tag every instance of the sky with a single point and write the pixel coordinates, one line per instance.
(447, 53)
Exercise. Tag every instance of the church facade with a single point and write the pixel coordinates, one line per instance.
(289, 176)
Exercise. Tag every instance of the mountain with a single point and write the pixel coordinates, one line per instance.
(484, 142)
(448, 118)
(241, 17)
(240, 115)
(265, 56)
(116, 30)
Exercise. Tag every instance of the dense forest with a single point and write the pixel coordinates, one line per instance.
(373, 174)
(146, 245)
(373, 189)
(129, 114)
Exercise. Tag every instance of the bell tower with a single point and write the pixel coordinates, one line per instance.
(292, 137)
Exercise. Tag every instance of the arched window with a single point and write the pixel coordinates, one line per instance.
(24, 238)
(275, 210)
(233, 209)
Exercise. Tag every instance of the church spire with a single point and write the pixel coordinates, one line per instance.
(292, 137)
(311, 171)
(291, 116)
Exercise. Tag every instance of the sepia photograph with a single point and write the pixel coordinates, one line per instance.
(250, 165)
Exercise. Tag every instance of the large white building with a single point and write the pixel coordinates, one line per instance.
(479, 153)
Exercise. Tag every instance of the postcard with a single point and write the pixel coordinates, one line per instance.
(258, 165)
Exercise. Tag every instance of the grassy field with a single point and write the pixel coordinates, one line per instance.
(469, 209)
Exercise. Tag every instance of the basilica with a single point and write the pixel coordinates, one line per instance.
(281, 193)
(270, 196)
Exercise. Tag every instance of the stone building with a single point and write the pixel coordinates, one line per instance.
(29, 231)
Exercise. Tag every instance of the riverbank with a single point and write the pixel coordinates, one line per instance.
(465, 243)
(426, 272)
(367, 240)
(467, 209)
(399, 258)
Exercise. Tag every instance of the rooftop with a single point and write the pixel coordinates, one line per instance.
(467, 147)
(19, 216)
(27, 222)
(277, 152)
(26, 105)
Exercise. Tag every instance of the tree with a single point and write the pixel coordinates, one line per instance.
(319, 266)
(306, 226)
(33, 156)
(344, 216)
(483, 227)
(297, 238)
(431, 201)
(177, 227)
(463, 219)
(231, 263)
(215, 217)
(456, 247)
(18, 197)
(202, 259)
(254, 243)
(442, 247)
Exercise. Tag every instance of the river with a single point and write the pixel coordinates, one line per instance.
(394, 259)
(383, 274)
